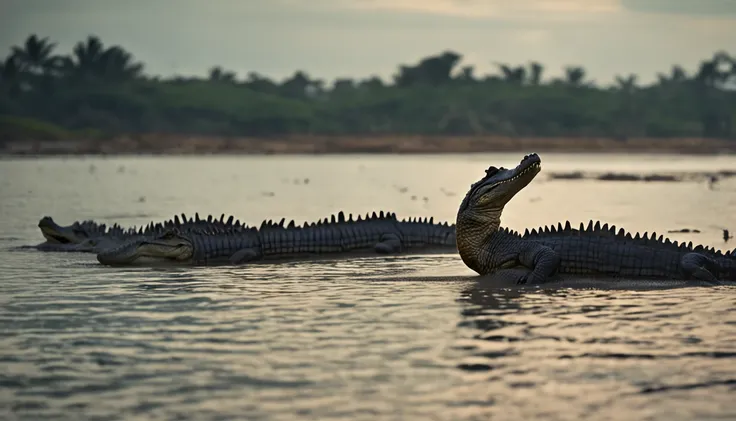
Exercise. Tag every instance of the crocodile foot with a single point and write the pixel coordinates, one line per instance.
(530, 278)
(700, 267)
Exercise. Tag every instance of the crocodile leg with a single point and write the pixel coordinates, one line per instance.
(698, 266)
(243, 256)
(543, 261)
(390, 243)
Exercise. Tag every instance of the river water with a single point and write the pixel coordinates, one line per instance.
(338, 340)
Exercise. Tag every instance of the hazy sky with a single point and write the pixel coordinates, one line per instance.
(359, 38)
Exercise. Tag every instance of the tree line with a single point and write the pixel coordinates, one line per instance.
(102, 91)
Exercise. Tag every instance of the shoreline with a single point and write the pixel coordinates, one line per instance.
(323, 145)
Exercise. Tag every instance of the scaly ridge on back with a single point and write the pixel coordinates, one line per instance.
(333, 237)
(645, 239)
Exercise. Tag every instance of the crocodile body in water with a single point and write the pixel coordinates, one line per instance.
(336, 238)
(595, 250)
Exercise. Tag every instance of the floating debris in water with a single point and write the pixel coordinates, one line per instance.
(577, 175)
(618, 177)
(684, 231)
(710, 177)
(660, 177)
(447, 193)
(401, 189)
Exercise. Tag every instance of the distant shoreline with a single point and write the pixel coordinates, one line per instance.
(322, 145)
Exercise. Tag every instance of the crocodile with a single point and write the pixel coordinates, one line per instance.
(336, 237)
(593, 250)
(90, 236)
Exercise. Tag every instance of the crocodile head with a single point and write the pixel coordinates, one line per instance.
(171, 245)
(480, 212)
(56, 234)
(488, 196)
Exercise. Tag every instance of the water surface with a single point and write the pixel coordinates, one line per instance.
(339, 340)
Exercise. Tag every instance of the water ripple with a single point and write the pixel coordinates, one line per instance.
(384, 338)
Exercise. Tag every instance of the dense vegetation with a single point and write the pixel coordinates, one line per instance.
(99, 91)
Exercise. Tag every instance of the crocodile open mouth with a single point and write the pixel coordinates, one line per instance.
(56, 237)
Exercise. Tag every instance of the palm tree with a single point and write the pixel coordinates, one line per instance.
(260, 83)
(574, 76)
(297, 85)
(677, 75)
(467, 74)
(626, 84)
(10, 75)
(116, 63)
(91, 60)
(628, 119)
(535, 73)
(36, 57)
(708, 73)
(87, 54)
(218, 74)
(9, 70)
(716, 71)
(515, 75)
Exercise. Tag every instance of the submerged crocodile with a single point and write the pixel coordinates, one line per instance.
(90, 236)
(597, 249)
(338, 237)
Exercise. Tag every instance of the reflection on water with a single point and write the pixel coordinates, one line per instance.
(377, 338)
(589, 353)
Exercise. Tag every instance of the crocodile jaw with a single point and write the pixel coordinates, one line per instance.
(148, 250)
(486, 199)
(56, 234)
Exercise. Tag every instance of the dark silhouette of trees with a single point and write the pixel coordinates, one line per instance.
(515, 75)
(98, 91)
(434, 71)
(35, 57)
(218, 74)
(575, 76)
(91, 62)
(535, 73)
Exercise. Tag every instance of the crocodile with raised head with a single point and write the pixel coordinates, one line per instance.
(338, 237)
(90, 236)
(595, 250)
